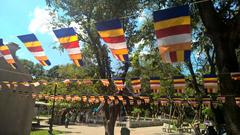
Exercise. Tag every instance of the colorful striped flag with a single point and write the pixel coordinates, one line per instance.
(112, 33)
(136, 85)
(119, 84)
(155, 84)
(68, 38)
(235, 75)
(4, 50)
(34, 46)
(173, 31)
(179, 84)
(105, 82)
(210, 83)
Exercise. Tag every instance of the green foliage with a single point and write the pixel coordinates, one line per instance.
(36, 70)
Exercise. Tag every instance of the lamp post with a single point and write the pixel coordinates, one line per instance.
(50, 131)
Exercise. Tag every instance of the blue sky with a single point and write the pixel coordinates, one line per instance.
(21, 17)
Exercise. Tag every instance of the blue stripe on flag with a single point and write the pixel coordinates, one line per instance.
(1, 42)
(126, 58)
(80, 62)
(171, 13)
(210, 76)
(109, 25)
(64, 32)
(48, 62)
(178, 77)
(154, 78)
(28, 38)
(187, 54)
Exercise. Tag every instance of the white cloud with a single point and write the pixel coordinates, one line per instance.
(41, 21)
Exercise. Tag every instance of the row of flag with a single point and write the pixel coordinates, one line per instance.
(163, 101)
(94, 99)
(172, 28)
(210, 83)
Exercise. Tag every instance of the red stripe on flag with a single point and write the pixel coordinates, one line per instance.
(173, 56)
(35, 49)
(181, 29)
(118, 39)
(71, 45)
(5, 52)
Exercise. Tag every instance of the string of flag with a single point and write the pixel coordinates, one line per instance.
(172, 28)
(130, 100)
(210, 83)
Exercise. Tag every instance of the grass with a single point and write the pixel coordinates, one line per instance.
(44, 132)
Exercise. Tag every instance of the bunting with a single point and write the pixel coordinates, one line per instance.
(68, 38)
(119, 84)
(173, 31)
(34, 46)
(105, 82)
(112, 33)
(179, 84)
(4, 50)
(235, 75)
(210, 83)
(155, 84)
(136, 85)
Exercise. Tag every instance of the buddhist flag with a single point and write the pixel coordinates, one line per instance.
(4, 50)
(155, 84)
(68, 38)
(136, 85)
(179, 84)
(235, 75)
(119, 84)
(34, 46)
(112, 33)
(210, 83)
(173, 31)
(105, 82)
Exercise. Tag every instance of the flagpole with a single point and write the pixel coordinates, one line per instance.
(50, 131)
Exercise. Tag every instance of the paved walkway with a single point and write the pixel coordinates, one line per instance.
(99, 130)
(93, 129)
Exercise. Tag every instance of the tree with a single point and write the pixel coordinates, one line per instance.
(218, 20)
(36, 70)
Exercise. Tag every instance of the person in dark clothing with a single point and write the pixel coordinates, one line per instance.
(67, 119)
(211, 131)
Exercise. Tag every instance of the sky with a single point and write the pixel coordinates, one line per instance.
(20, 17)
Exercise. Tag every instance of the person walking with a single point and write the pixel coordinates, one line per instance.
(67, 119)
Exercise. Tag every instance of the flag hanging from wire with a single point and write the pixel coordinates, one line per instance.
(179, 83)
(68, 38)
(173, 31)
(112, 33)
(210, 82)
(4, 50)
(235, 75)
(136, 85)
(119, 84)
(155, 84)
(105, 82)
(34, 46)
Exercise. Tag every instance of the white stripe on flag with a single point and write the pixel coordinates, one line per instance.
(117, 45)
(179, 85)
(176, 39)
(167, 57)
(38, 53)
(73, 50)
(8, 57)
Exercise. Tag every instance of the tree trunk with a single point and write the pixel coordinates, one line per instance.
(111, 113)
(224, 40)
